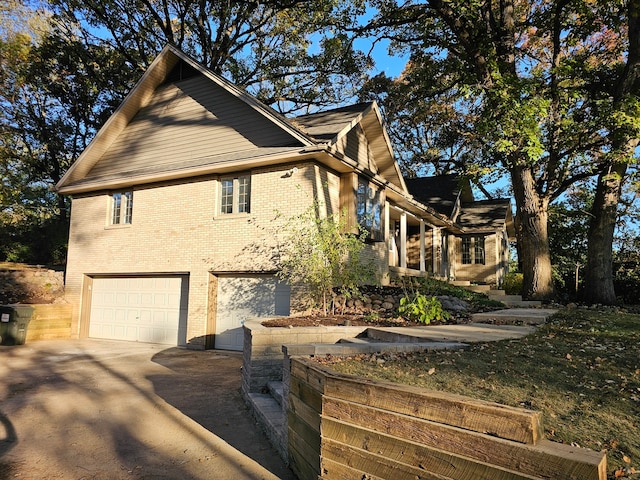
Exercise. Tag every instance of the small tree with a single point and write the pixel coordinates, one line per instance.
(321, 253)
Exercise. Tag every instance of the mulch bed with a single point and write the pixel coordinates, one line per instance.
(344, 320)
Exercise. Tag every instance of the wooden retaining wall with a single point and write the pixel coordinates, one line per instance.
(343, 427)
(49, 322)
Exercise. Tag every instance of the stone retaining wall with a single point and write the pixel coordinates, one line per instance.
(262, 351)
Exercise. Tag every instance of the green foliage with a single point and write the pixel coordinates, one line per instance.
(421, 308)
(512, 283)
(322, 254)
(289, 54)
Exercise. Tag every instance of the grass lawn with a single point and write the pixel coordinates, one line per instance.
(581, 369)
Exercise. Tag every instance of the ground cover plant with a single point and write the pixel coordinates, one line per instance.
(581, 369)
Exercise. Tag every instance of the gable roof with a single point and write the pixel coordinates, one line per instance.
(487, 215)
(151, 100)
(333, 126)
(193, 129)
(441, 192)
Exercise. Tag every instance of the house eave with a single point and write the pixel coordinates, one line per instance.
(218, 168)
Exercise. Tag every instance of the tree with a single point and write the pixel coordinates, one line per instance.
(55, 93)
(621, 97)
(290, 54)
(512, 72)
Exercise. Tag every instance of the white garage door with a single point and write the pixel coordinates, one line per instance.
(241, 297)
(140, 309)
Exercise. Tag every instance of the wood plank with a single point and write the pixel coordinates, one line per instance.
(416, 461)
(305, 454)
(301, 467)
(308, 414)
(331, 470)
(308, 372)
(506, 422)
(308, 395)
(304, 430)
(546, 459)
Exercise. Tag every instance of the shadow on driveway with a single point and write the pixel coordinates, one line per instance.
(98, 409)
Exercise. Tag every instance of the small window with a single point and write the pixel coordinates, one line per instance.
(122, 208)
(235, 195)
(473, 250)
(369, 209)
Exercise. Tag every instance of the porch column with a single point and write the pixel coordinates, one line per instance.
(403, 240)
(435, 248)
(422, 247)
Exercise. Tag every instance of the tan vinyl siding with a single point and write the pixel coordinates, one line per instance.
(184, 121)
(476, 272)
(356, 146)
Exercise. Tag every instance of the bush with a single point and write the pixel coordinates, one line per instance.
(512, 284)
(420, 308)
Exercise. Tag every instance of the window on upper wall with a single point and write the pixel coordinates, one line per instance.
(473, 250)
(235, 194)
(369, 209)
(121, 208)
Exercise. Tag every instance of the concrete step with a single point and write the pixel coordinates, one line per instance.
(523, 303)
(479, 288)
(514, 316)
(358, 340)
(275, 390)
(460, 283)
(272, 418)
(495, 292)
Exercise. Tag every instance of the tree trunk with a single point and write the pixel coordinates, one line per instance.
(533, 240)
(599, 272)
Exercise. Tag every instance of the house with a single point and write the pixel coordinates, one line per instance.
(179, 200)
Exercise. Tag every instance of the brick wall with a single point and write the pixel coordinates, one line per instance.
(176, 229)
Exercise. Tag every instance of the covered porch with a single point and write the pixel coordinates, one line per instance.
(416, 246)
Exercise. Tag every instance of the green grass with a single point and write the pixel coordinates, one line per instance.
(581, 369)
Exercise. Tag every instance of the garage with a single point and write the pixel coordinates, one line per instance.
(244, 296)
(151, 309)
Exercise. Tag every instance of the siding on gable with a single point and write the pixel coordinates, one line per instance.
(188, 120)
(355, 146)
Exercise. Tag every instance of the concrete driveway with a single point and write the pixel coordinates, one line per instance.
(99, 409)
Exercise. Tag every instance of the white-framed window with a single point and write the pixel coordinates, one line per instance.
(473, 250)
(235, 194)
(369, 209)
(121, 208)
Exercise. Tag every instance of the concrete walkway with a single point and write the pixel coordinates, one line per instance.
(515, 316)
(467, 333)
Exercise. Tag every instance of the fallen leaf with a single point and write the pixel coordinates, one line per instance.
(626, 459)
(568, 356)
(431, 371)
(619, 473)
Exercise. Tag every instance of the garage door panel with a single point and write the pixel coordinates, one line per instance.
(242, 297)
(143, 309)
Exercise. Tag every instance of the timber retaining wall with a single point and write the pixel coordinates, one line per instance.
(346, 427)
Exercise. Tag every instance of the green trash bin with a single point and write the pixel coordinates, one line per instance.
(14, 321)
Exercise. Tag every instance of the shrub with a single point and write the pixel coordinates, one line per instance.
(321, 253)
(512, 284)
(419, 307)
